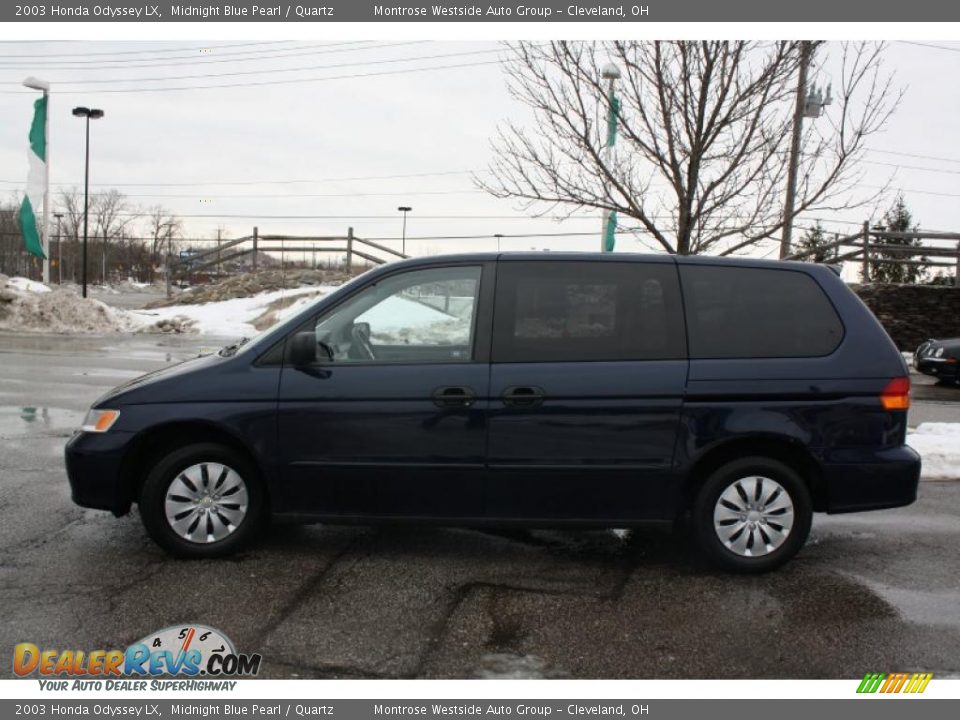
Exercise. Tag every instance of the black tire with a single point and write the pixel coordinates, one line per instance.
(705, 503)
(168, 468)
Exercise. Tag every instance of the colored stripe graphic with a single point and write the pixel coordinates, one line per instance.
(894, 683)
(871, 681)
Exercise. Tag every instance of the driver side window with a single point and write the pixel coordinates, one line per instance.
(417, 316)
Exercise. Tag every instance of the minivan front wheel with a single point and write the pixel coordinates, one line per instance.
(203, 500)
(752, 515)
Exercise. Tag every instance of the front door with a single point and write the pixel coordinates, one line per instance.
(586, 386)
(394, 423)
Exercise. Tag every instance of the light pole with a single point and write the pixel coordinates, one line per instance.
(499, 237)
(404, 209)
(89, 114)
(59, 217)
(44, 87)
(608, 225)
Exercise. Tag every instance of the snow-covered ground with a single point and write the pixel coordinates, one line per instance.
(230, 318)
(939, 445)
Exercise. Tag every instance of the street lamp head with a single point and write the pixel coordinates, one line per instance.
(36, 84)
(92, 113)
(610, 72)
(404, 208)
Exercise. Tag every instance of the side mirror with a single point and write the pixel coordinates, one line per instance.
(303, 349)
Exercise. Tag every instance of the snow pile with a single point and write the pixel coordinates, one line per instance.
(235, 318)
(939, 445)
(26, 285)
(396, 320)
(131, 285)
(29, 306)
(104, 290)
(248, 284)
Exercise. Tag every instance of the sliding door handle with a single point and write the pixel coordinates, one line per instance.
(523, 396)
(454, 396)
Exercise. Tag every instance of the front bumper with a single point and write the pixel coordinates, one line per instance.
(94, 462)
(938, 368)
(865, 479)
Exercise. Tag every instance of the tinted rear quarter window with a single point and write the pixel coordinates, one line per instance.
(564, 311)
(757, 313)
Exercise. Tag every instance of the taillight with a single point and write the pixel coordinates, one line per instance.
(896, 395)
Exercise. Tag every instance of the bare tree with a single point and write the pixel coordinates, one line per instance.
(705, 132)
(11, 241)
(70, 204)
(163, 228)
(112, 214)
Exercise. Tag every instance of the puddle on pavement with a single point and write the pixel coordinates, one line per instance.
(163, 349)
(903, 520)
(17, 421)
(924, 607)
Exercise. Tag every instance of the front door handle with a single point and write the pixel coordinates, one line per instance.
(454, 396)
(523, 396)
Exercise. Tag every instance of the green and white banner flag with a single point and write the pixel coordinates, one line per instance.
(36, 181)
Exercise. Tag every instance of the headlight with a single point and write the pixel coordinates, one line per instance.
(99, 421)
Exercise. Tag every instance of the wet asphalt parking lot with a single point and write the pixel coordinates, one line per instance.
(875, 592)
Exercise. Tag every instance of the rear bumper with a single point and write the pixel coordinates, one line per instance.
(863, 479)
(94, 463)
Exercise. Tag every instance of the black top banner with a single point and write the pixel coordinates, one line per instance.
(504, 11)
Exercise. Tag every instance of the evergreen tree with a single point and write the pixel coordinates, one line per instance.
(897, 219)
(813, 240)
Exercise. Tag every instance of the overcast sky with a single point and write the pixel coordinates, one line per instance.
(362, 146)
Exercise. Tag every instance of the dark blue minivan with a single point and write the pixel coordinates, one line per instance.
(544, 389)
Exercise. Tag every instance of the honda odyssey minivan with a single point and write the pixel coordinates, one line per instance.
(541, 389)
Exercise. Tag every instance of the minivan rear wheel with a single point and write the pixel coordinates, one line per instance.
(202, 500)
(752, 515)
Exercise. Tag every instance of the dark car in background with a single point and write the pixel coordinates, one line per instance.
(939, 359)
(535, 389)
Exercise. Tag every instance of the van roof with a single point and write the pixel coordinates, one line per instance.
(549, 255)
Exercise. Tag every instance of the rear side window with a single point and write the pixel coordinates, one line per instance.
(757, 313)
(579, 311)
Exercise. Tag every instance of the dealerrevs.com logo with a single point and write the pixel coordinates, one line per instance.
(909, 683)
(188, 650)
